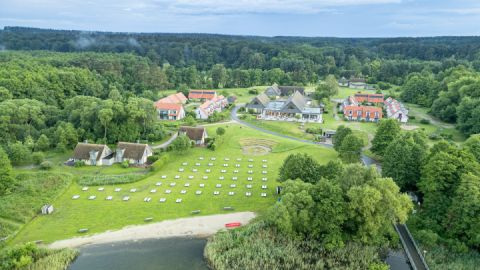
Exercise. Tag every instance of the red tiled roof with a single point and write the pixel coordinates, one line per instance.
(202, 94)
(174, 98)
(353, 111)
(169, 106)
(374, 98)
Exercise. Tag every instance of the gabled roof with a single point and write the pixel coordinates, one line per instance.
(262, 98)
(202, 94)
(82, 150)
(363, 110)
(132, 150)
(168, 106)
(274, 88)
(194, 133)
(289, 90)
(297, 99)
(374, 98)
(357, 80)
(178, 98)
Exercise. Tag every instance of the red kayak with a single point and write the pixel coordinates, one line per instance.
(233, 224)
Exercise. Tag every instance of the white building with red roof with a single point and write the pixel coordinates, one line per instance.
(215, 104)
(396, 110)
(171, 107)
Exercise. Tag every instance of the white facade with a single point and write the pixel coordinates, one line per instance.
(396, 110)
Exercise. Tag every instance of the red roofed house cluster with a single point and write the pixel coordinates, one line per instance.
(216, 104)
(353, 110)
(171, 107)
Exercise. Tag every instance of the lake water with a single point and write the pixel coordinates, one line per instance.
(152, 254)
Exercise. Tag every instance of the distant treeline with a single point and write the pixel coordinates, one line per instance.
(299, 60)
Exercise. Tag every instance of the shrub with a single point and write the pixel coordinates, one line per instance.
(220, 131)
(38, 157)
(46, 165)
(425, 121)
(314, 130)
(253, 92)
(161, 161)
(100, 180)
(412, 117)
(434, 136)
(125, 164)
(152, 159)
(79, 163)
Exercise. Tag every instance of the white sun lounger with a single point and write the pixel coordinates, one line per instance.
(250, 166)
(202, 185)
(117, 189)
(75, 197)
(92, 197)
(239, 159)
(158, 184)
(249, 186)
(84, 188)
(200, 158)
(178, 200)
(163, 199)
(223, 171)
(109, 198)
(264, 186)
(231, 193)
(218, 185)
(221, 177)
(207, 170)
(264, 178)
(250, 178)
(183, 191)
(184, 163)
(197, 164)
(164, 176)
(234, 178)
(190, 177)
(216, 192)
(250, 172)
(213, 158)
(101, 189)
(198, 192)
(194, 170)
(147, 199)
(133, 190)
(181, 169)
(263, 194)
(168, 191)
(126, 198)
(205, 177)
(177, 176)
(264, 172)
(186, 185)
(233, 185)
(235, 171)
(153, 191)
(264, 160)
(248, 194)
(173, 184)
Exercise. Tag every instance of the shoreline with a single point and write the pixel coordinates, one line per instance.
(200, 226)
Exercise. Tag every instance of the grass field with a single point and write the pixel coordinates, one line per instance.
(101, 215)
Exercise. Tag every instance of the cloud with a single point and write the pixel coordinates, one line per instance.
(202, 7)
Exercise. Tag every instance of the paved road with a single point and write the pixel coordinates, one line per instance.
(366, 160)
(167, 143)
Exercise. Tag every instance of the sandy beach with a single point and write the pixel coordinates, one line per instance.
(194, 226)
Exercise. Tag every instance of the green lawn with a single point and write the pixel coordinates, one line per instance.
(100, 215)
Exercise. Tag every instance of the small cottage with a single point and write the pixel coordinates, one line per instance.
(93, 154)
(134, 153)
(196, 134)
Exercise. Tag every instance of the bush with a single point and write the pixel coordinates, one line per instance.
(384, 85)
(100, 180)
(411, 117)
(314, 130)
(161, 161)
(79, 163)
(125, 164)
(434, 136)
(220, 131)
(253, 92)
(46, 165)
(425, 121)
(152, 159)
(38, 157)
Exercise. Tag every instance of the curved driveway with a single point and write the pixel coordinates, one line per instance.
(366, 160)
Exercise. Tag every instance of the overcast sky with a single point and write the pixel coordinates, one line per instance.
(341, 18)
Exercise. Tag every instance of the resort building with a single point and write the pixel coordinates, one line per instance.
(294, 108)
(202, 95)
(362, 113)
(171, 107)
(93, 154)
(170, 111)
(134, 153)
(369, 98)
(396, 110)
(258, 103)
(357, 83)
(215, 104)
(196, 134)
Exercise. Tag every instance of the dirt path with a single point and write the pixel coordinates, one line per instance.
(193, 226)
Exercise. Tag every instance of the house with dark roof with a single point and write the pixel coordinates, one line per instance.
(202, 95)
(134, 153)
(276, 91)
(357, 83)
(93, 154)
(343, 82)
(196, 134)
(258, 103)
